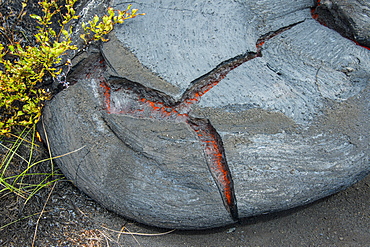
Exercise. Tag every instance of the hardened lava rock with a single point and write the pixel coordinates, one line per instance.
(351, 18)
(203, 112)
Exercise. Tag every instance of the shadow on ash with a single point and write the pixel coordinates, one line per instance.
(192, 118)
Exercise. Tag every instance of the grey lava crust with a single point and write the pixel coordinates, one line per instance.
(290, 124)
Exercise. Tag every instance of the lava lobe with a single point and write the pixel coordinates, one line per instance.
(139, 101)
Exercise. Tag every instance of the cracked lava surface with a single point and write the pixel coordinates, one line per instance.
(143, 102)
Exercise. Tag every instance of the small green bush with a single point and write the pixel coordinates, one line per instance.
(23, 68)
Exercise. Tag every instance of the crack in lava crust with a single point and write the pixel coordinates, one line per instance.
(217, 163)
(122, 96)
(126, 97)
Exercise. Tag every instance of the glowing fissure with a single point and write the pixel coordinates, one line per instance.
(216, 160)
(122, 96)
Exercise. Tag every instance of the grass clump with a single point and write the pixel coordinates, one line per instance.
(19, 173)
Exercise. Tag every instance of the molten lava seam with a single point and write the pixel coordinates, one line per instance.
(122, 96)
(216, 159)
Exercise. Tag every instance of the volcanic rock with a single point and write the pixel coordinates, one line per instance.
(203, 112)
(351, 18)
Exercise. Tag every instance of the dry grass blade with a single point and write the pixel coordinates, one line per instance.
(133, 236)
(42, 211)
(140, 233)
(23, 218)
(23, 139)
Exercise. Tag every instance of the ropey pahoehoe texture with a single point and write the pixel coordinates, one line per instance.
(288, 124)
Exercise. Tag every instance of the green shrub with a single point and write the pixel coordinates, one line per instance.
(24, 67)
